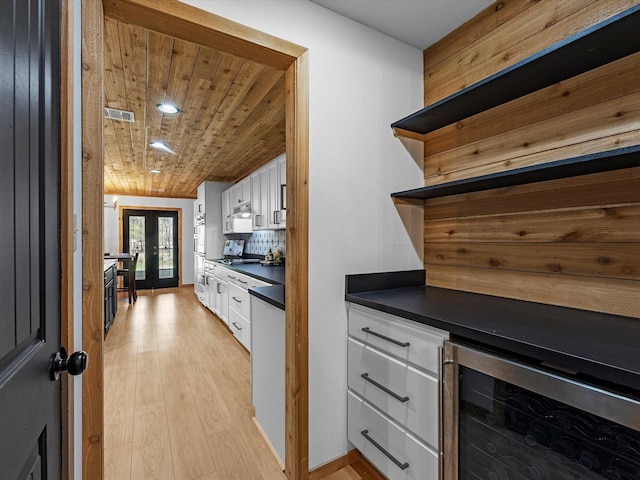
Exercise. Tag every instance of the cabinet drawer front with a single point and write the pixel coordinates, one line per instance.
(243, 281)
(230, 276)
(386, 380)
(417, 345)
(241, 328)
(239, 300)
(423, 463)
(254, 282)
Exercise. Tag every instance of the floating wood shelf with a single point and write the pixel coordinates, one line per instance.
(571, 167)
(615, 38)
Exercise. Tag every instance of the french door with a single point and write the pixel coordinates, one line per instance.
(153, 234)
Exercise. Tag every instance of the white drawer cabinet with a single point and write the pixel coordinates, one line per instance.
(373, 434)
(414, 343)
(402, 391)
(394, 392)
(241, 328)
(233, 302)
(239, 300)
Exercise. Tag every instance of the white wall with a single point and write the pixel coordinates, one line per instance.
(112, 225)
(360, 82)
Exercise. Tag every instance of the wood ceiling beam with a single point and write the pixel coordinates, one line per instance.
(192, 24)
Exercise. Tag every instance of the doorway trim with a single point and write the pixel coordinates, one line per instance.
(204, 28)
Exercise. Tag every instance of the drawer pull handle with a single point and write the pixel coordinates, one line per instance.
(401, 466)
(385, 389)
(236, 325)
(239, 301)
(242, 281)
(379, 335)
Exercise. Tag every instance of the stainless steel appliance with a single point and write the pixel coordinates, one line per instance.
(233, 251)
(506, 419)
(199, 239)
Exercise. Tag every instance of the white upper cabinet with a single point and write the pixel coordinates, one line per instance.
(226, 211)
(282, 172)
(257, 217)
(241, 191)
(265, 189)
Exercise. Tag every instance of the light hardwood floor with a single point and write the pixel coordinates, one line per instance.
(178, 398)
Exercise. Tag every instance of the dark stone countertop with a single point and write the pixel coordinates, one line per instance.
(601, 347)
(273, 295)
(270, 274)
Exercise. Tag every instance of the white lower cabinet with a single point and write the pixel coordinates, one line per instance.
(371, 432)
(241, 328)
(394, 393)
(220, 291)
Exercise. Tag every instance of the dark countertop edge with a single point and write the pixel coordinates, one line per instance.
(249, 269)
(365, 282)
(608, 373)
(273, 295)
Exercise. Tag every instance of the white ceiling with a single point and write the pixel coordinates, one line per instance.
(420, 23)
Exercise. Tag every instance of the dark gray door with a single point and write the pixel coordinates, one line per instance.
(29, 239)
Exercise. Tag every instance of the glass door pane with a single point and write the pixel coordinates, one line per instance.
(153, 234)
(137, 243)
(166, 253)
(510, 433)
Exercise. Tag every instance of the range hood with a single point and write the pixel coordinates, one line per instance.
(242, 210)
(240, 220)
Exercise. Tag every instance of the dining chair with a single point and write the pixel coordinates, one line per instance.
(129, 273)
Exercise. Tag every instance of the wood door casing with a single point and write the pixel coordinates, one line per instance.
(204, 28)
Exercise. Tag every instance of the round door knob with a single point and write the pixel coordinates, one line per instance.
(75, 364)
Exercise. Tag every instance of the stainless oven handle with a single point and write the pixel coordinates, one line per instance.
(400, 465)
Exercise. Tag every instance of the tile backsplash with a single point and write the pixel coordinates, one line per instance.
(259, 243)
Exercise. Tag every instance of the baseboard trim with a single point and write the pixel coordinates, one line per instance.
(354, 459)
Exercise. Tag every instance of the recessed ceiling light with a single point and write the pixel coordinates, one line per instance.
(167, 108)
(155, 170)
(160, 146)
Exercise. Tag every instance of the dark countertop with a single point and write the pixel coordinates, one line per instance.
(270, 274)
(273, 295)
(597, 345)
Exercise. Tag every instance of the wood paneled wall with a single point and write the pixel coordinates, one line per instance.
(572, 242)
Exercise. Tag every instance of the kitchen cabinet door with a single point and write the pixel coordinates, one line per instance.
(282, 190)
(241, 192)
(264, 198)
(273, 195)
(226, 205)
(222, 301)
(201, 199)
(257, 216)
(245, 185)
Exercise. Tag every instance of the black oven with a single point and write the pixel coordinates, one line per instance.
(507, 420)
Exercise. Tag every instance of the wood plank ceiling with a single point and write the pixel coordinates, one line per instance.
(232, 117)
